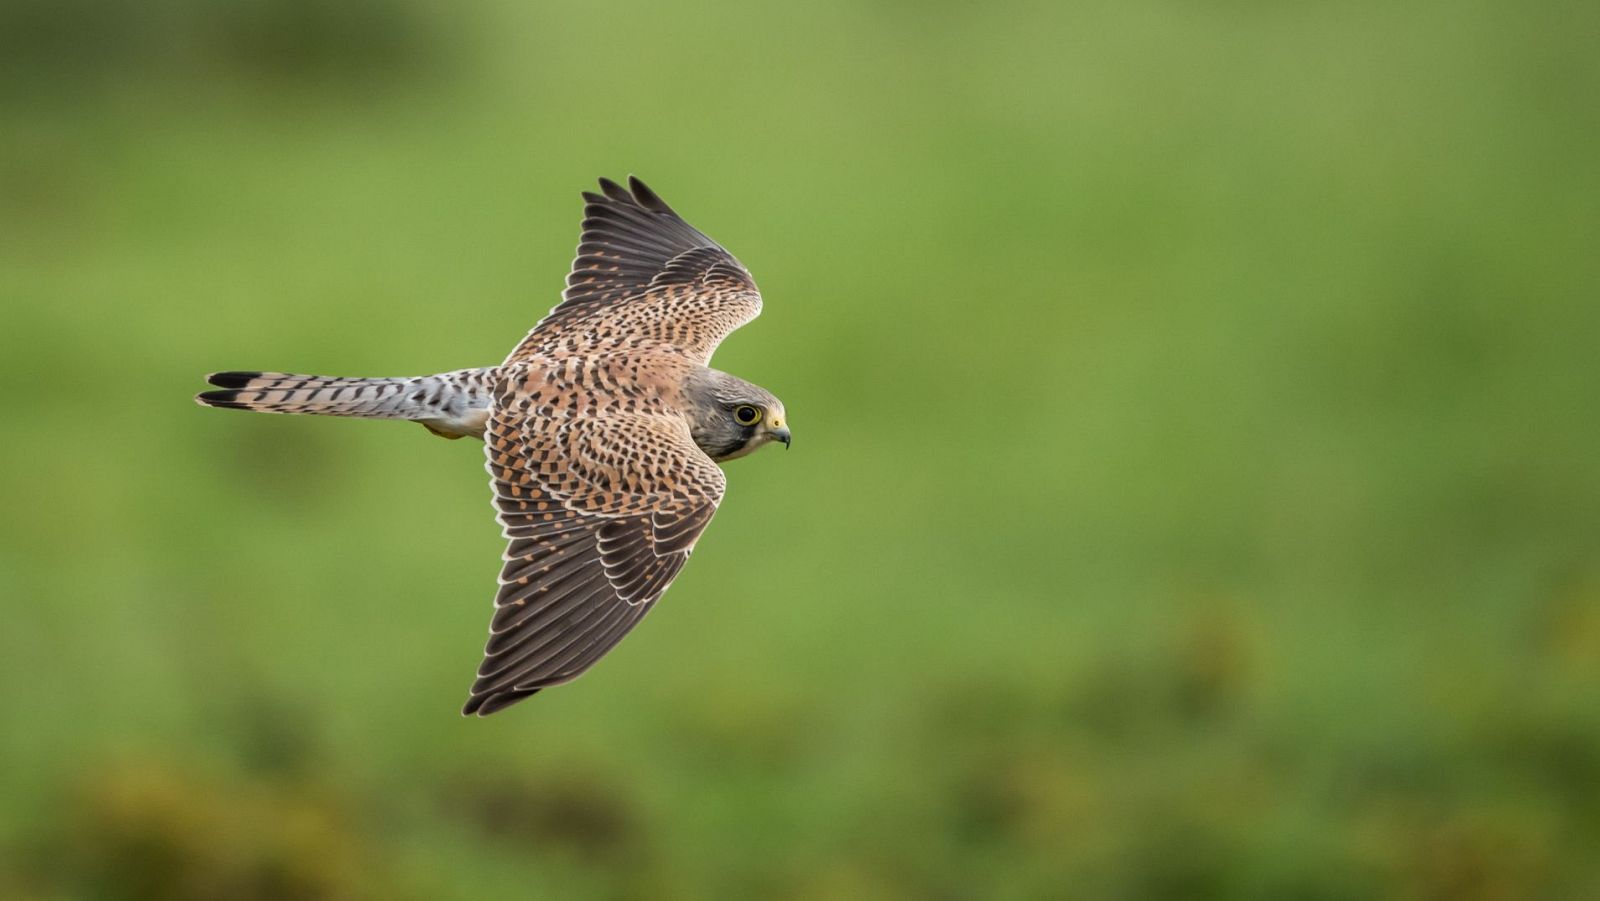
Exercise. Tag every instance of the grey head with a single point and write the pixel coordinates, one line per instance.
(729, 417)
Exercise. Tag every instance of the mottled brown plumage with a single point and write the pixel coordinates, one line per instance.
(602, 431)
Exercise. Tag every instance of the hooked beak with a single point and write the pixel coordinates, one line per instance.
(781, 433)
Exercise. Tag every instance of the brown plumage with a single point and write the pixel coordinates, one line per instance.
(602, 431)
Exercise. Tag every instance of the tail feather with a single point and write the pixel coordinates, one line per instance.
(451, 404)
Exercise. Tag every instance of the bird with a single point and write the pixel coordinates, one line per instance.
(603, 432)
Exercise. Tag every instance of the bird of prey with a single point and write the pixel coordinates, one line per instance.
(602, 431)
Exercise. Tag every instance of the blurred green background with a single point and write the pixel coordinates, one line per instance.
(1196, 485)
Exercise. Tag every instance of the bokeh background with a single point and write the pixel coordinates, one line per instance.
(1196, 485)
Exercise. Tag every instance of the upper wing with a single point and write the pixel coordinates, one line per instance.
(601, 515)
(645, 276)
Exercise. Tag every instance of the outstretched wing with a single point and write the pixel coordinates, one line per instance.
(644, 276)
(601, 515)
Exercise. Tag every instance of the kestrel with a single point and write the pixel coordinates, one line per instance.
(602, 432)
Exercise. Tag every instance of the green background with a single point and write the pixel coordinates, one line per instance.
(1195, 490)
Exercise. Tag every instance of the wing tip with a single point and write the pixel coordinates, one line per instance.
(645, 197)
(495, 701)
(637, 194)
(615, 191)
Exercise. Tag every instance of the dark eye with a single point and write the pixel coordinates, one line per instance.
(744, 414)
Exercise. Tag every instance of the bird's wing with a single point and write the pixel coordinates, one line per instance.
(601, 514)
(643, 276)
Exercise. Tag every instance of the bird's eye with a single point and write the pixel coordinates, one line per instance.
(744, 414)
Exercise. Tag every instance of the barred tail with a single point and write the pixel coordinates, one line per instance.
(450, 404)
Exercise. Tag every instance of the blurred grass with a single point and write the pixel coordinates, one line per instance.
(1193, 494)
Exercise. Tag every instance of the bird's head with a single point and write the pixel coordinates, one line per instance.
(731, 417)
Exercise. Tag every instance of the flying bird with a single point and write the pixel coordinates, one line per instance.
(602, 432)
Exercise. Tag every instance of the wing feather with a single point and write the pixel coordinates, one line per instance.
(590, 546)
(643, 272)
